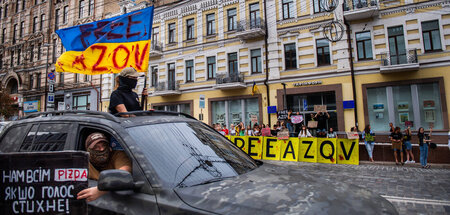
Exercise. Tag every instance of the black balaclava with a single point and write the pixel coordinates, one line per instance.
(99, 159)
(127, 84)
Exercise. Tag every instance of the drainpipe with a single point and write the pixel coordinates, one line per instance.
(267, 61)
(352, 70)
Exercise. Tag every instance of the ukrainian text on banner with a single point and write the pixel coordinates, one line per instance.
(311, 149)
(107, 46)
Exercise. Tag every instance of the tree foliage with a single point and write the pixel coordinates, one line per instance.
(6, 105)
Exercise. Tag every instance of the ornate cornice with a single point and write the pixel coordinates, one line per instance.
(412, 8)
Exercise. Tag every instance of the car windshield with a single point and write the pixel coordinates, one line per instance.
(189, 153)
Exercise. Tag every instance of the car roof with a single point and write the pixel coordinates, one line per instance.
(139, 117)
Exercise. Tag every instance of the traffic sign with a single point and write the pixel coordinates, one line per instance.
(51, 75)
(51, 87)
(51, 97)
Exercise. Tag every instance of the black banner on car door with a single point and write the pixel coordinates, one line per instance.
(43, 182)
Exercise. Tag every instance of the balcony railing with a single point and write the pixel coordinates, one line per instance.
(406, 61)
(360, 9)
(167, 89)
(231, 81)
(251, 28)
(156, 49)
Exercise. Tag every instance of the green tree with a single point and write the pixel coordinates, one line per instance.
(6, 105)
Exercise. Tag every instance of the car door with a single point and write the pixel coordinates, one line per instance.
(140, 201)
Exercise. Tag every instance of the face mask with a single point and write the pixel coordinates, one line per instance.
(127, 83)
(99, 158)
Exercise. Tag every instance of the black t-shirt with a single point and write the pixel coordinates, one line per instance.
(129, 98)
(396, 136)
(321, 121)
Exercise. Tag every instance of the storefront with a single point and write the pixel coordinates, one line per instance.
(233, 110)
(409, 103)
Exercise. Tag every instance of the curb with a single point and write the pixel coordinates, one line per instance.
(414, 165)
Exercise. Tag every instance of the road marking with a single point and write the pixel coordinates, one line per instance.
(416, 200)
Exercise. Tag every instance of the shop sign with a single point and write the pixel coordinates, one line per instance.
(31, 106)
(350, 104)
(202, 102)
(61, 105)
(307, 83)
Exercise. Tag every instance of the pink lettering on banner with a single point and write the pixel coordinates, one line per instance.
(71, 174)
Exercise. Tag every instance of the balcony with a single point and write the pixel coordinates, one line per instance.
(250, 29)
(167, 89)
(232, 81)
(156, 49)
(406, 61)
(360, 9)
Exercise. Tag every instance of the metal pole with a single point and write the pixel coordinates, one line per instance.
(266, 44)
(284, 96)
(46, 78)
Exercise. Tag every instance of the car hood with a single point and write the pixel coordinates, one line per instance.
(272, 189)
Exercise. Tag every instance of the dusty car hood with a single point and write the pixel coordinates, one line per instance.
(272, 189)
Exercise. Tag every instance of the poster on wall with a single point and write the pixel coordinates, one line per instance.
(220, 118)
(428, 104)
(378, 107)
(430, 116)
(236, 118)
(403, 106)
(379, 115)
(404, 117)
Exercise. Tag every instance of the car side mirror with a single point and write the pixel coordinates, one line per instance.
(116, 180)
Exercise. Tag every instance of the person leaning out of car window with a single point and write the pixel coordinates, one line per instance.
(102, 157)
(123, 99)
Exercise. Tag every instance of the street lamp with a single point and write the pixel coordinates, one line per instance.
(46, 78)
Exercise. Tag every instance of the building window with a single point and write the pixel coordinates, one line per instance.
(14, 34)
(66, 14)
(53, 51)
(210, 24)
(23, 4)
(155, 35)
(91, 7)
(81, 102)
(318, 7)
(12, 58)
(171, 79)
(232, 64)
(35, 23)
(3, 35)
(87, 78)
(41, 26)
(189, 71)
(397, 48)
(290, 56)
(30, 83)
(56, 19)
(288, 9)
(323, 52)
(407, 102)
(1, 61)
(154, 76)
(19, 53)
(190, 29)
(6, 11)
(235, 111)
(431, 36)
(39, 51)
(1, 10)
(211, 61)
(182, 108)
(256, 61)
(22, 28)
(17, 5)
(172, 33)
(38, 81)
(255, 18)
(76, 77)
(232, 22)
(81, 9)
(61, 78)
(364, 45)
(31, 53)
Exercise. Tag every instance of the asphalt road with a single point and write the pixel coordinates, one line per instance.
(411, 189)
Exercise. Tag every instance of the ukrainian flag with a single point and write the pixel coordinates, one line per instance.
(107, 46)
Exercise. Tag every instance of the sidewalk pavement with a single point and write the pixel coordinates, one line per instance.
(416, 165)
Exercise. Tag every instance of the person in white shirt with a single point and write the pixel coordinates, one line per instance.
(232, 130)
(304, 132)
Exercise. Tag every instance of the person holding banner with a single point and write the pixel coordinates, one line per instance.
(102, 157)
(123, 99)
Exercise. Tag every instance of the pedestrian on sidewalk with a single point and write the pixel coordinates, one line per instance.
(369, 141)
(396, 138)
(408, 146)
(424, 140)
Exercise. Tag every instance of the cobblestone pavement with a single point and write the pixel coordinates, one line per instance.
(411, 189)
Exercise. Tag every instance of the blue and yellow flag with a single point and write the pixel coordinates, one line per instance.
(107, 46)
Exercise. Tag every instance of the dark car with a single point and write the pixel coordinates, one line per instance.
(181, 165)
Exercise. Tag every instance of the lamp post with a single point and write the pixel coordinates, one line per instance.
(46, 78)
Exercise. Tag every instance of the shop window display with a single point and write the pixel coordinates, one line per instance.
(235, 111)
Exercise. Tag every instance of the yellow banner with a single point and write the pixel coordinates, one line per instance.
(308, 149)
(241, 142)
(326, 150)
(289, 149)
(271, 148)
(348, 151)
(255, 147)
(101, 58)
